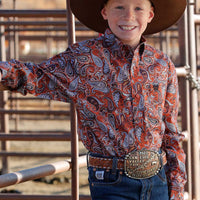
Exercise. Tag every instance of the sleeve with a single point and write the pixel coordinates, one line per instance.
(175, 168)
(52, 79)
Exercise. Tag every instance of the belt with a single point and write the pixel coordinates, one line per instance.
(137, 164)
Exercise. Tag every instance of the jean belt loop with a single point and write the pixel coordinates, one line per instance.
(161, 158)
(87, 158)
(114, 165)
(161, 161)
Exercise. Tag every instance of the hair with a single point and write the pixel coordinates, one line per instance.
(106, 1)
(152, 4)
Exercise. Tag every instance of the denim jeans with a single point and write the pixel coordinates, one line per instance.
(115, 185)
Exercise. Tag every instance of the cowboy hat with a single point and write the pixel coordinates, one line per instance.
(167, 13)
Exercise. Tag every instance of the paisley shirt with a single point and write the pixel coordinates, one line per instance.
(126, 99)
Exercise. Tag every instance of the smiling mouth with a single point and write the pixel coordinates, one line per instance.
(127, 28)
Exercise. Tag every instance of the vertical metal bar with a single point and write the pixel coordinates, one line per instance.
(70, 25)
(193, 105)
(198, 44)
(3, 100)
(11, 42)
(161, 41)
(168, 42)
(74, 136)
(2, 42)
(4, 129)
(12, 54)
(16, 56)
(185, 101)
(75, 155)
(16, 35)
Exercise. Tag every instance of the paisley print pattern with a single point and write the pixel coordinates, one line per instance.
(125, 99)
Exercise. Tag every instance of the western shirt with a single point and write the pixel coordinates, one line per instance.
(126, 99)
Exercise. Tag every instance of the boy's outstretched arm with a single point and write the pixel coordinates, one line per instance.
(50, 79)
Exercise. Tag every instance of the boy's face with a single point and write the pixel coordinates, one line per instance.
(128, 19)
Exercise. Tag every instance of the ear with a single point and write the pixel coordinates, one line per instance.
(151, 15)
(104, 13)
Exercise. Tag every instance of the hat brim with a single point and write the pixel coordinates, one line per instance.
(167, 13)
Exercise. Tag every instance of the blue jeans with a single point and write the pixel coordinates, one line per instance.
(106, 185)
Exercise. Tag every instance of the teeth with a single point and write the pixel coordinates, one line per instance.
(127, 28)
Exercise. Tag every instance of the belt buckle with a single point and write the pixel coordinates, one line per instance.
(142, 164)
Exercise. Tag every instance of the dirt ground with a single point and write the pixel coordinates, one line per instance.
(59, 184)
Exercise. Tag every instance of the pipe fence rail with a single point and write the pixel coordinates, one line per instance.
(39, 172)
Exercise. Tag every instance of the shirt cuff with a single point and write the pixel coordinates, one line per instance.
(177, 194)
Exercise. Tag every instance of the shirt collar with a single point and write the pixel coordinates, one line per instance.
(111, 41)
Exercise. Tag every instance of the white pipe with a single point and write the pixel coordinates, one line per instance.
(38, 172)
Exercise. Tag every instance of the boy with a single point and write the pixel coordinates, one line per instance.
(126, 97)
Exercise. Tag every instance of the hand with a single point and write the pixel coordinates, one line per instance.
(2, 87)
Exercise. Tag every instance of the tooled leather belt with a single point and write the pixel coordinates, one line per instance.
(139, 164)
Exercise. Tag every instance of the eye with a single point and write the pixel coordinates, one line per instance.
(138, 8)
(119, 7)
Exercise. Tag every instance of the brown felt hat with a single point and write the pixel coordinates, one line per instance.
(167, 13)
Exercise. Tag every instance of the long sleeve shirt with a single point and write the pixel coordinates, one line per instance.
(125, 99)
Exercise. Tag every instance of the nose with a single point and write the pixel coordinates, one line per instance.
(129, 14)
